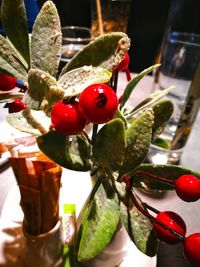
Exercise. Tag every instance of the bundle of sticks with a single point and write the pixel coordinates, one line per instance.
(38, 179)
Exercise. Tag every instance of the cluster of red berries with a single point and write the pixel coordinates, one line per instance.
(96, 104)
(8, 83)
(187, 188)
(168, 225)
(175, 233)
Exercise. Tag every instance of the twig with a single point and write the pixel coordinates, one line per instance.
(94, 132)
(115, 81)
(155, 177)
(128, 74)
(99, 17)
(153, 219)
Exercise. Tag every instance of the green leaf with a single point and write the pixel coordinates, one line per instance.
(9, 61)
(75, 81)
(118, 114)
(132, 84)
(171, 172)
(105, 51)
(162, 143)
(69, 257)
(109, 147)
(42, 86)
(7, 96)
(139, 228)
(71, 152)
(30, 121)
(138, 139)
(162, 113)
(148, 102)
(99, 224)
(46, 40)
(14, 22)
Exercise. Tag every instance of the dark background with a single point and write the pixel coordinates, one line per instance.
(147, 21)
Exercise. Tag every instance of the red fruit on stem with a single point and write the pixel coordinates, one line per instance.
(187, 187)
(66, 117)
(98, 103)
(15, 106)
(124, 63)
(7, 82)
(173, 221)
(191, 249)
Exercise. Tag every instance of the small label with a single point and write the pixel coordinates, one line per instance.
(69, 223)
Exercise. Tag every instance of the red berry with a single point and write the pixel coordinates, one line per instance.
(98, 103)
(66, 117)
(173, 221)
(191, 248)
(124, 63)
(7, 82)
(15, 106)
(187, 187)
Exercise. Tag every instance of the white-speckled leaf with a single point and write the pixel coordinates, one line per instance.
(43, 91)
(171, 172)
(132, 84)
(139, 228)
(9, 61)
(99, 224)
(110, 143)
(138, 139)
(14, 22)
(75, 81)
(46, 39)
(162, 113)
(106, 51)
(69, 151)
(30, 121)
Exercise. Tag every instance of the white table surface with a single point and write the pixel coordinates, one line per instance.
(190, 159)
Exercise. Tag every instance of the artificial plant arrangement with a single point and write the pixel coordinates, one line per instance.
(57, 107)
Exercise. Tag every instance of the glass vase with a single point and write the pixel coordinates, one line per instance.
(44, 250)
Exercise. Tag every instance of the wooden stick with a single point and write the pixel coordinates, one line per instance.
(99, 17)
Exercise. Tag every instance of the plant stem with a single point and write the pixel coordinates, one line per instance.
(128, 74)
(144, 211)
(120, 99)
(86, 136)
(151, 208)
(115, 81)
(96, 186)
(94, 132)
(155, 177)
(94, 171)
(99, 17)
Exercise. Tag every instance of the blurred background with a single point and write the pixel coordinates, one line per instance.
(146, 24)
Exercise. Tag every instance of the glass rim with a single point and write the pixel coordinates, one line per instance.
(178, 150)
(79, 39)
(178, 37)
